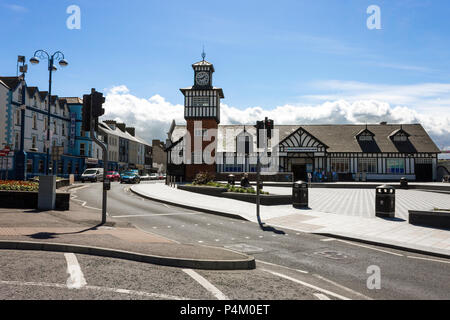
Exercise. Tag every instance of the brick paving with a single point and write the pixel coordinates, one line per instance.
(343, 212)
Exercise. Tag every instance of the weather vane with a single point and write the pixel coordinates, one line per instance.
(203, 53)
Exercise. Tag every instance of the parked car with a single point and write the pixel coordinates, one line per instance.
(113, 176)
(92, 175)
(129, 177)
(153, 176)
(145, 177)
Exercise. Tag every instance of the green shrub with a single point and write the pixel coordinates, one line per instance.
(203, 178)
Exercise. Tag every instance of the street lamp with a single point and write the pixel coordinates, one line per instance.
(59, 57)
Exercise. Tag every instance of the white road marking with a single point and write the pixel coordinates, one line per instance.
(342, 287)
(428, 259)
(321, 296)
(76, 278)
(367, 247)
(206, 284)
(276, 265)
(156, 215)
(327, 239)
(308, 285)
(105, 289)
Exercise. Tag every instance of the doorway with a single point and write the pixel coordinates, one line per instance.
(299, 171)
(424, 172)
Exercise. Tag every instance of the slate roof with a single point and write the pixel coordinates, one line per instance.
(72, 100)
(11, 82)
(339, 138)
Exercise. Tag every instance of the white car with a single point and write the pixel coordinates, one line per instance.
(154, 176)
(92, 175)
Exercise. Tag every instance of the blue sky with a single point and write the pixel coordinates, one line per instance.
(266, 53)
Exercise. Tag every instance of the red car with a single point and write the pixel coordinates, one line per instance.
(113, 176)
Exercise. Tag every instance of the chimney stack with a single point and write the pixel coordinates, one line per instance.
(121, 126)
(131, 131)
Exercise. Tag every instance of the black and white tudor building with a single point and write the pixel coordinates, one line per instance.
(373, 152)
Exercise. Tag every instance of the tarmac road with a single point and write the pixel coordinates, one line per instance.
(343, 266)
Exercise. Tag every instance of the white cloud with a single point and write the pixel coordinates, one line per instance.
(152, 117)
(15, 7)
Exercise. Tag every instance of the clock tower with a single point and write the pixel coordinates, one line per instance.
(202, 113)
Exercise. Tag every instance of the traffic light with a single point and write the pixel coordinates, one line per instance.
(269, 127)
(259, 126)
(97, 102)
(87, 112)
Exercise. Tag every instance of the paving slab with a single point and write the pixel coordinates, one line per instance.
(347, 213)
(78, 230)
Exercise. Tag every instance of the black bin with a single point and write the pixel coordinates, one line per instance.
(231, 179)
(404, 183)
(300, 194)
(385, 201)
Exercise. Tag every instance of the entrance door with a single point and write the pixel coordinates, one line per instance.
(299, 171)
(424, 172)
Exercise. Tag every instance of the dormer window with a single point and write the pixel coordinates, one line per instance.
(399, 135)
(365, 135)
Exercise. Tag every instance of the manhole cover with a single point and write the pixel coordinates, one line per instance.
(332, 254)
(245, 248)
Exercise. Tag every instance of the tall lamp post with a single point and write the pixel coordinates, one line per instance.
(58, 56)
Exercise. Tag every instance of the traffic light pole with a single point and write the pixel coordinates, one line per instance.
(105, 159)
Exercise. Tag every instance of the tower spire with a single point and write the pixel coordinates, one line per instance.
(203, 53)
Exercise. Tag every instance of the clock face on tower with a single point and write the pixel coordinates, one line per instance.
(202, 78)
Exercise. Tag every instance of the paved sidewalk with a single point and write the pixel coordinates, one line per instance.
(334, 212)
(78, 231)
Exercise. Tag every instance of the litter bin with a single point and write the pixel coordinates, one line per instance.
(385, 201)
(300, 194)
(404, 183)
(231, 179)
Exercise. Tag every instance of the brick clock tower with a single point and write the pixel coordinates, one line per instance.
(202, 112)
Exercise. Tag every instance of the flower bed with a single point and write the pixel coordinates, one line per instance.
(12, 185)
(229, 187)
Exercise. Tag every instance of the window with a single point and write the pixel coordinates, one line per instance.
(33, 142)
(368, 165)
(200, 101)
(41, 166)
(400, 138)
(365, 137)
(340, 165)
(63, 128)
(34, 121)
(69, 167)
(197, 157)
(200, 132)
(29, 165)
(45, 124)
(395, 166)
(16, 141)
(18, 117)
(82, 149)
(55, 129)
